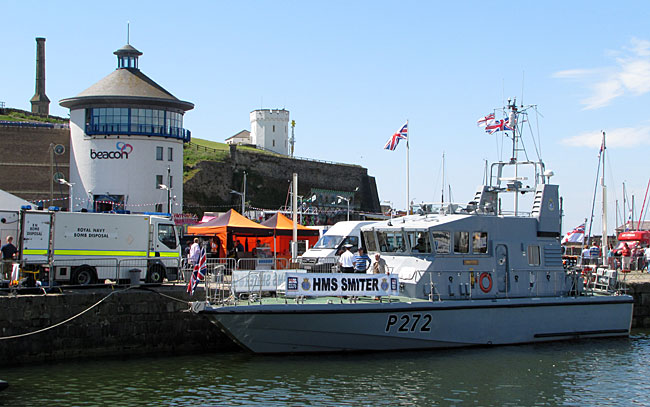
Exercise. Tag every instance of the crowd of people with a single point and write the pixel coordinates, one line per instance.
(636, 258)
(361, 262)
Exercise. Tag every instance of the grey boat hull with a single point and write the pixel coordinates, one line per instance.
(295, 328)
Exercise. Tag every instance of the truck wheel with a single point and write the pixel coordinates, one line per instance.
(156, 274)
(84, 275)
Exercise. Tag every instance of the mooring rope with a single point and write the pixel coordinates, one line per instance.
(62, 322)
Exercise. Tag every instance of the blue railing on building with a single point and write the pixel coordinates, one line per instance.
(139, 130)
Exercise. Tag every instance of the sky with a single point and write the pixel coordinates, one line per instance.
(351, 73)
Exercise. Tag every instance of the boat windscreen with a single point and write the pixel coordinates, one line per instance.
(328, 242)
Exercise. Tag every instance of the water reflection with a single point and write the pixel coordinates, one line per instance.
(604, 372)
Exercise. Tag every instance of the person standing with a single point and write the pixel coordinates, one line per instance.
(379, 266)
(626, 255)
(361, 261)
(346, 261)
(195, 252)
(8, 255)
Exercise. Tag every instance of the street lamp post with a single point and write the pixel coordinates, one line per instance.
(169, 197)
(347, 200)
(69, 184)
(243, 196)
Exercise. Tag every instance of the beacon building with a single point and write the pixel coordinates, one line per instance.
(126, 142)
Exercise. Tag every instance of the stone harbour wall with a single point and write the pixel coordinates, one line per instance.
(137, 321)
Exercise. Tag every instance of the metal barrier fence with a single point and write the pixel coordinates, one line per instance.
(90, 271)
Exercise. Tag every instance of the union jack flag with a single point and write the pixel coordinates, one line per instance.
(198, 274)
(498, 125)
(577, 235)
(402, 134)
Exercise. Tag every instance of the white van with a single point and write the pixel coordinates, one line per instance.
(325, 253)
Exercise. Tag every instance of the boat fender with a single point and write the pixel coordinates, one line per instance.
(484, 288)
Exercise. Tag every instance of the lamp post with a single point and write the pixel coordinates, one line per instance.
(69, 184)
(391, 207)
(169, 197)
(347, 200)
(243, 196)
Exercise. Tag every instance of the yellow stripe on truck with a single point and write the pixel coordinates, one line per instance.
(35, 251)
(103, 253)
(164, 254)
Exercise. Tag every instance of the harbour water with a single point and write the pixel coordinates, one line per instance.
(604, 372)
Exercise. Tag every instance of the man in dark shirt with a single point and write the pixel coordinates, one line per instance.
(8, 254)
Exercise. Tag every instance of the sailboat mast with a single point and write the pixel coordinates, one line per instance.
(604, 244)
(442, 199)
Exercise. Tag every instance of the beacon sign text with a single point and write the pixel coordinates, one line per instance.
(122, 151)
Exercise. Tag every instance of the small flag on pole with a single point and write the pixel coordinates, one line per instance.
(577, 235)
(484, 121)
(402, 134)
(198, 274)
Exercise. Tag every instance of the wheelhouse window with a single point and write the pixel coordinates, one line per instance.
(371, 243)
(479, 242)
(461, 242)
(167, 235)
(391, 241)
(533, 255)
(441, 241)
(419, 241)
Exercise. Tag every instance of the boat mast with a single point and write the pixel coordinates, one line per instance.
(604, 244)
(512, 122)
(442, 199)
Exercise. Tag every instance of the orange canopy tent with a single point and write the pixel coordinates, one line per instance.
(232, 225)
(283, 228)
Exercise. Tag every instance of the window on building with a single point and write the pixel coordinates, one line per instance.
(273, 143)
(170, 154)
(533, 256)
(274, 128)
(159, 181)
(159, 208)
(171, 183)
(479, 242)
(159, 153)
(441, 241)
(461, 242)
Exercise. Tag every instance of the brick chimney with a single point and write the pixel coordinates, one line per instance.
(40, 102)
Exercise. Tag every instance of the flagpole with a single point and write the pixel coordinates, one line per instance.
(408, 202)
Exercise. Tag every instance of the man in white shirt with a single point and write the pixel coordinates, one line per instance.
(195, 252)
(346, 260)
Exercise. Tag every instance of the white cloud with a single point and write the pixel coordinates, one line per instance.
(624, 137)
(629, 74)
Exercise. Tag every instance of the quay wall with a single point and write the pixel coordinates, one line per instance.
(641, 293)
(134, 322)
(129, 322)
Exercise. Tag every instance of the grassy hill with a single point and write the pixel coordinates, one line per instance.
(15, 116)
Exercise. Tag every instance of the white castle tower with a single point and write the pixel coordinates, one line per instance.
(270, 130)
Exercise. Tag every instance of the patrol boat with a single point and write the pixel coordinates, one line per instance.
(458, 275)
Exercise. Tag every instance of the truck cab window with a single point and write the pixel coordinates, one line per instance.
(167, 235)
